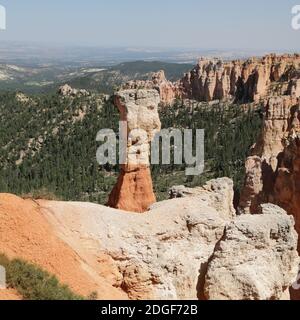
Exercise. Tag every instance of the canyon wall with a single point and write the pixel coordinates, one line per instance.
(192, 247)
(139, 110)
(244, 81)
(272, 169)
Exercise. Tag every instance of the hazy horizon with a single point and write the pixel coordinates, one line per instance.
(193, 24)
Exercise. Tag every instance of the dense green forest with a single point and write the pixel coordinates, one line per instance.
(48, 145)
(230, 131)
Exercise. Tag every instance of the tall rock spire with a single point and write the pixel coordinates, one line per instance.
(139, 110)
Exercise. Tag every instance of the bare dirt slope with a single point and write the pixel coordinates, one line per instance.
(25, 233)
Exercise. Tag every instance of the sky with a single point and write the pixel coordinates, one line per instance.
(214, 24)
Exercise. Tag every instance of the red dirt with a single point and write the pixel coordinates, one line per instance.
(26, 234)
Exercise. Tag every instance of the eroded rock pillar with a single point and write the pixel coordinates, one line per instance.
(134, 188)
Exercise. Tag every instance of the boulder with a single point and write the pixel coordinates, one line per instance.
(256, 259)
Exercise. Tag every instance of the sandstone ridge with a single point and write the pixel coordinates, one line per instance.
(129, 255)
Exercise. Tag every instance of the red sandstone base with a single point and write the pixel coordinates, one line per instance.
(133, 191)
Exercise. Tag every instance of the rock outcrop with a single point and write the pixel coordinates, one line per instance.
(170, 252)
(216, 193)
(134, 189)
(256, 259)
(272, 170)
(173, 252)
(68, 91)
(159, 255)
(243, 81)
(280, 124)
(167, 90)
(246, 81)
(25, 233)
(286, 191)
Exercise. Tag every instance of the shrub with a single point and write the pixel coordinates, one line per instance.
(33, 283)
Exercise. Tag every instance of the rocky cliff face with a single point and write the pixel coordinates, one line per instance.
(184, 248)
(181, 256)
(287, 183)
(167, 90)
(243, 81)
(253, 259)
(248, 80)
(139, 110)
(272, 170)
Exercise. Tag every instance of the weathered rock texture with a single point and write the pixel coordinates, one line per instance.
(175, 258)
(216, 193)
(272, 170)
(172, 252)
(243, 81)
(134, 189)
(256, 259)
(167, 90)
(9, 294)
(25, 233)
(249, 80)
(159, 255)
(287, 182)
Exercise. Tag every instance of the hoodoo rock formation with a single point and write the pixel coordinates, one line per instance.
(243, 81)
(246, 81)
(272, 172)
(134, 189)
